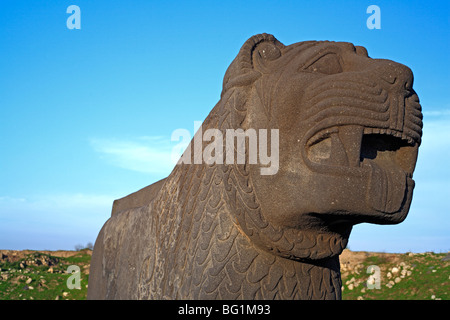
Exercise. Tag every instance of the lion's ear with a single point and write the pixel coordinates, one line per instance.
(263, 53)
(252, 60)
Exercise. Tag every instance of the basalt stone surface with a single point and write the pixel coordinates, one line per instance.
(349, 131)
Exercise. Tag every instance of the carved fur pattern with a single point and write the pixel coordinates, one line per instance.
(194, 246)
(206, 257)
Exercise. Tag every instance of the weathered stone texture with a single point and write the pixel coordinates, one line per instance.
(349, 131)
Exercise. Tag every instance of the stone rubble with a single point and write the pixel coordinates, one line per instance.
(390, 277)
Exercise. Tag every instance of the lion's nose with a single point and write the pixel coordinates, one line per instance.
(395, 74)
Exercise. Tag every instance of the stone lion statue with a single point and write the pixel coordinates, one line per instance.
(349, 131)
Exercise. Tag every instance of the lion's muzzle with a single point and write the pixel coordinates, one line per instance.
(368, 128)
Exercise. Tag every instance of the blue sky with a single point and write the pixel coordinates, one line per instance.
(86, 115)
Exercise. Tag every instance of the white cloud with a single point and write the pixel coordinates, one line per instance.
(72, 201)
(7, 199)
(434, 152)
(143, 154)
(436, 113)
(52, 221)
(55, 206)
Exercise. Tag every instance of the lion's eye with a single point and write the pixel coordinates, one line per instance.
(327, 64)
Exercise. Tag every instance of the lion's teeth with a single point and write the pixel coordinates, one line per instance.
(390, 132)
(345, 143)
(351, 138)
(368, 131)
(338, 155)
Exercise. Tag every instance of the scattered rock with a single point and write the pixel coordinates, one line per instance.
(393, 270)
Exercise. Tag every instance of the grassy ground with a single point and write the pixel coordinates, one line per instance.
(419, 276)
(40, 276)
(407, 276)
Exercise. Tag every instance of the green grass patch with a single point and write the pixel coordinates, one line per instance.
(39, 276)
(407, 277)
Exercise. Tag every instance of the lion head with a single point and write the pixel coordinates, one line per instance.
(349, 131)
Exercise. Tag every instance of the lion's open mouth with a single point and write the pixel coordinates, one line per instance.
(388, 155)
(355, 146)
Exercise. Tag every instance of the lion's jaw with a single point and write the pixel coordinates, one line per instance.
(349, 136)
